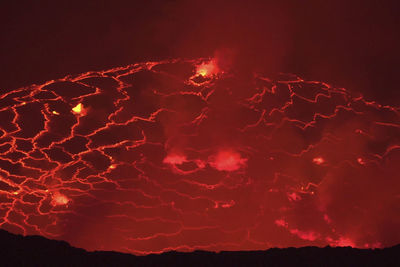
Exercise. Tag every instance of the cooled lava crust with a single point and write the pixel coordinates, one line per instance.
(185, 155)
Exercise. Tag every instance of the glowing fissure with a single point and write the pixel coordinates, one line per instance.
(180, 155)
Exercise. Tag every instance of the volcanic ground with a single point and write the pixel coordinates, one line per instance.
(188, 154)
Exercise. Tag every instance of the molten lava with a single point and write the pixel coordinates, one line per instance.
(180, 155)
(78, 109)
(208, 68)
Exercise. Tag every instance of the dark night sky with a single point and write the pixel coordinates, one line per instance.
(353, 44)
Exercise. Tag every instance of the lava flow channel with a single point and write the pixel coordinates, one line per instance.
(182, 155)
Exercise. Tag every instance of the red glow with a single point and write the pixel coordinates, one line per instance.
(341, 242)
(310, 236)
(318, 160)
(175, 159)
(360, 161)
(59, 199)
(294, 197)
(281, 223)
(228, 161)
(146, 158)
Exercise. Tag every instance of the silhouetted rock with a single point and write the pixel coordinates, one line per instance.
(17, 250)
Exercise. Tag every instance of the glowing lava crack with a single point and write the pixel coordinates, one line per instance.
(183, 155)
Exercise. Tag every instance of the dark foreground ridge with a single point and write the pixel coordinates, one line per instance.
(17, 250)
